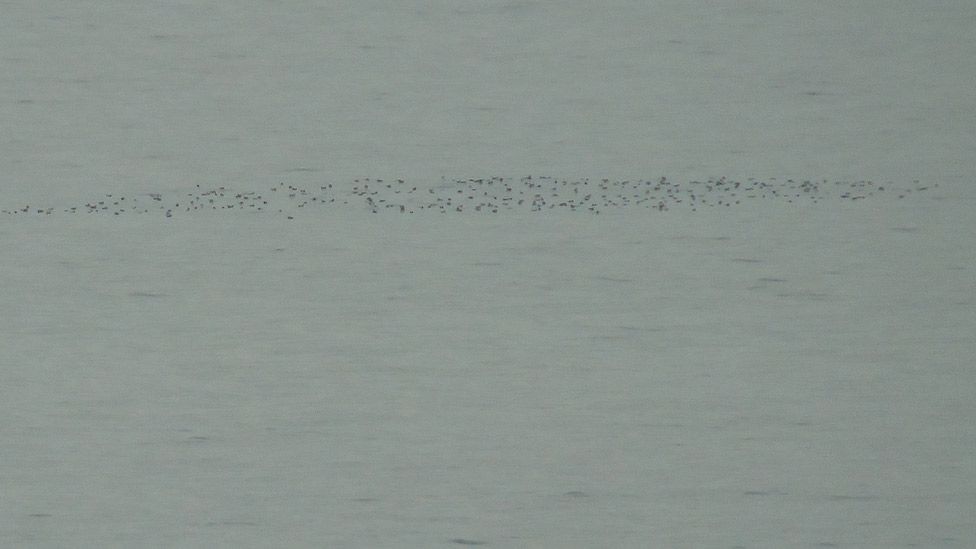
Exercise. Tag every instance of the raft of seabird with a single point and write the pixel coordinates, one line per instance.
(492, 195)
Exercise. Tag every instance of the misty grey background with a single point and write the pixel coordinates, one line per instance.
(155, 95)
(767, 376)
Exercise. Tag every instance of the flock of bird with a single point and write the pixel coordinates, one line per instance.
(483, 196)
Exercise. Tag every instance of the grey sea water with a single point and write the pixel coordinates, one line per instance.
(246, 355)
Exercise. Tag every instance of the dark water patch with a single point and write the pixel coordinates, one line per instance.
(638, 329)
(668, 425)
(463, 541)
(198, 439)
(147, 294)
(771, 279)
(746, 260)
(813, 296)
(612, 279)
(763, 493)
(576, 494)
(847, 497)
(39, 515)
(607, 337)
